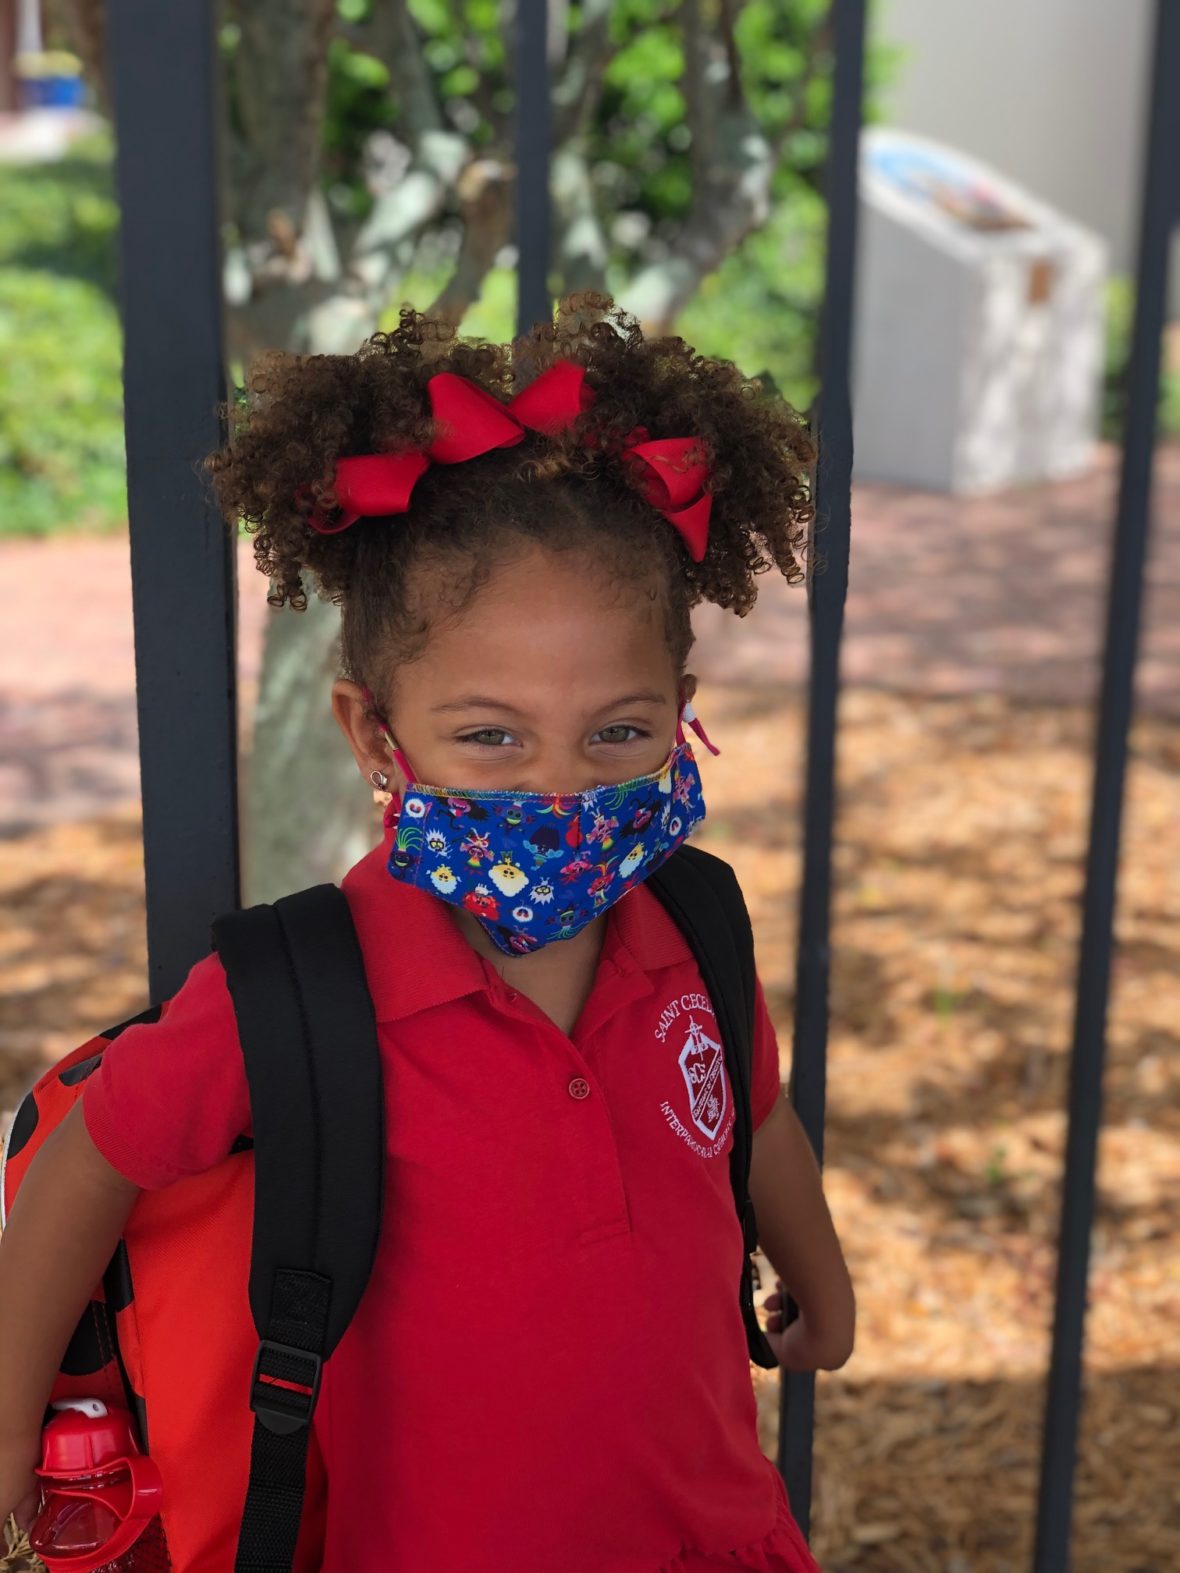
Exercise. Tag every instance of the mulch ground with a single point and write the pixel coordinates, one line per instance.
(957, 916)
(956, 920)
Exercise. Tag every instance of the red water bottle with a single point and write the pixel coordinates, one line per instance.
(99, 1492)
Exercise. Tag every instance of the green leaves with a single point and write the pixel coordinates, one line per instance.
(61, 405)
(62, 216)
(61, 395)
(1120, 316)
(358, 103)
(647, 61)
(761, 307)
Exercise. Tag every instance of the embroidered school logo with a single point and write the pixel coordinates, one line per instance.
(702, 1066)
(706, 1100)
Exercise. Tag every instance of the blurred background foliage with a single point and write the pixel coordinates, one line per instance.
(61, 396)
(61, 449)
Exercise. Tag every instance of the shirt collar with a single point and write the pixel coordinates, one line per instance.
(640, 926)
(416, 957)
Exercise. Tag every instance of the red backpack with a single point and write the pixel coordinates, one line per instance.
(229, 1290)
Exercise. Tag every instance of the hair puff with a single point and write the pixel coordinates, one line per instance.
(299, 414)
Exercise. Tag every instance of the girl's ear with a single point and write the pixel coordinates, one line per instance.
(688, 687)
(362, 733)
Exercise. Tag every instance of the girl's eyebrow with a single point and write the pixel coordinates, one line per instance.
(475, 702)
(647, 696)
(481, 701)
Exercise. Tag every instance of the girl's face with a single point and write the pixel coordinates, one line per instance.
(555, 679)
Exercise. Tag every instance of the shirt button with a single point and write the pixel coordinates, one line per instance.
(579, 1088)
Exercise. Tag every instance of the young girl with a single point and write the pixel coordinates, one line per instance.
(548, 1372)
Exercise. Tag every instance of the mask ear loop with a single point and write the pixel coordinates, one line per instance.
(687, 713)
(403, 764)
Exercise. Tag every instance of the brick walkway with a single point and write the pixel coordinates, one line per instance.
(1003, 595)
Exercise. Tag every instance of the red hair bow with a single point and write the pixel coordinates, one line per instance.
(669, 472)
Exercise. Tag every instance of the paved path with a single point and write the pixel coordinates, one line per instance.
(1004, 594)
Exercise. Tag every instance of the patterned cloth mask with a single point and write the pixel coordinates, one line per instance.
(532, 867)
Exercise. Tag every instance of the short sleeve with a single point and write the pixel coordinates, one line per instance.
(765, 1084)
(170, 1096)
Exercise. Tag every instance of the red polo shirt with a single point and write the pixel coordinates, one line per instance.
(547, 1373)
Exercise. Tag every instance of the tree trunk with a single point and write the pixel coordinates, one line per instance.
(308, 814)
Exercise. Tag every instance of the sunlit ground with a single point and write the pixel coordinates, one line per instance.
(957, 911)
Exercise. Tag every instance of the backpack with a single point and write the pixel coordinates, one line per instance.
(243, 1279)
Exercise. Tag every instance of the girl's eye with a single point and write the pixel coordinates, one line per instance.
(636, 732)
(486, 737)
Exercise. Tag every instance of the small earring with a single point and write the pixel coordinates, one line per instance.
(380, 780)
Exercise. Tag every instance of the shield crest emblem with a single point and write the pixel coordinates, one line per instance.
(702, 1065)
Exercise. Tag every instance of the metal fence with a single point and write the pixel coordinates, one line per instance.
(163, 65)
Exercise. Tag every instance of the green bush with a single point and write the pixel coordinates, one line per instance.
(1120, 313)
(63, 216)
(61, 398)
(761, 307)
(61, 406)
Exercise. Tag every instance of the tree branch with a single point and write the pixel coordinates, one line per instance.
(438, 155)
(732, 53)
(700, 101)
(733, 165)
(578, 86)
(712, 231)
(485, 190)
(393, 37)
(281, 74)
(384, 244)
(581, 246)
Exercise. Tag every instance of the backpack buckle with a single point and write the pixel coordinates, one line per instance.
(284, 1386)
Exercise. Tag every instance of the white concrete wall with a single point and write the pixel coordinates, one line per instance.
(1051, 92)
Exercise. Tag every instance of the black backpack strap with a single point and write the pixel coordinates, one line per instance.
(701, 894)
(309, 1039)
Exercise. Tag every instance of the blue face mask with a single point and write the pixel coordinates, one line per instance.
(532, 867)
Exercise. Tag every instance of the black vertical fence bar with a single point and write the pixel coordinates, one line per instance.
(533, 137)
(827, 591)
(162, 60)
(1160, 214)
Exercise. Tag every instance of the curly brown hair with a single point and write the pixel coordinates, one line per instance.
(299, 414)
